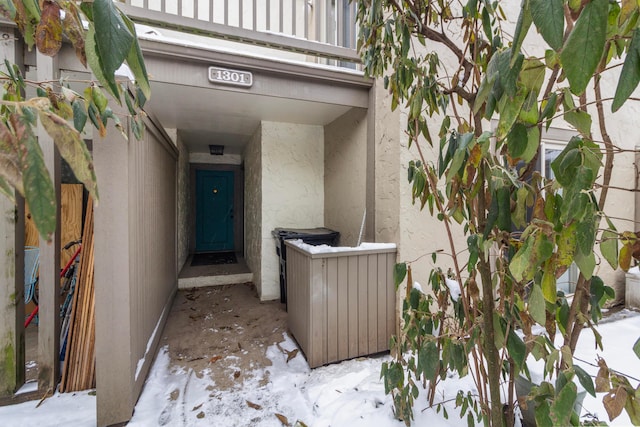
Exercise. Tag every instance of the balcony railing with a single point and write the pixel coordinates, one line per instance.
(322, 28)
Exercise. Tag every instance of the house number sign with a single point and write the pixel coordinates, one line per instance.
(230, 77)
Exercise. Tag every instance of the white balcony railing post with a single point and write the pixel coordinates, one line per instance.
(325, 21)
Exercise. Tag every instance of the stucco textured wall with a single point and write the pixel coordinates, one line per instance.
(420, 234)
(345, 178)
(253, 206)
(292, 189)
(388, 133)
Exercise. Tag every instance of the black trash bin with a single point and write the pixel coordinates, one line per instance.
(312, 236)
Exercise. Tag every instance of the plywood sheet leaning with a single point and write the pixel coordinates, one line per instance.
(70, 218)
(79, 364)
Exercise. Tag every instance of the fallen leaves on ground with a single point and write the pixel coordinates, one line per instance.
(254, 405)
(283, 420)
(214, 359)
(290, 354)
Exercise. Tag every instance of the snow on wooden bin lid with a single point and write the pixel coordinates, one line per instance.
(341, 300)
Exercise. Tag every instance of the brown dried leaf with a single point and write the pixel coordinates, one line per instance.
(291, 354)
(603, 382)
(283, 420)
(72, 26)
(49, 30)
(614, 402)
(254, 405)
(538, 209)
(214, 359)
(236, 374)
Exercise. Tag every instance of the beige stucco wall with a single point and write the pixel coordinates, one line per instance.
(387, 133)
(292, 189)
(345, 177)
(420, 234)
(253, 206)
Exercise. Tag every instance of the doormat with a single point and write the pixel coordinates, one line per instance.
(214, 258)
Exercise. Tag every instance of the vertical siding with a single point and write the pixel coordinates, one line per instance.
(152, 225)
(341, 305)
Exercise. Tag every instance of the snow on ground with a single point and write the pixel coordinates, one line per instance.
(344, 394)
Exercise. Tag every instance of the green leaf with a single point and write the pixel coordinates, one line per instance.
(516, 348)
(537, 308)
(79, 115)
(522, 28)
(636, 348)
(520, 266)
(562, 316)
(399, 273)
(536, 249)
(548, 15)
(586, 264)
(581, 120)
(542, 415)
(72, 148)
(114, 43)
(459, 156)
(472, 244)
(510, 108)
(585, 380)
(532, 75)
(503, 196)
(94, 61)
(550, 107)
(38, 187)
(98, 98)
(486, 86)
(632, 407)
(136, 61)
(428, 360)
(585, 45)
(32, 7)
(562, 406)
(517, 141)
(609, 247)
(586, 234)
(549, 286)
(519, 214)
(630, 75)
(564, 166)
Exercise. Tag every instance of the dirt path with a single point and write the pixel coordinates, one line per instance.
(223, 332)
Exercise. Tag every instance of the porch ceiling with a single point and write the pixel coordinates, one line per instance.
(206, 116)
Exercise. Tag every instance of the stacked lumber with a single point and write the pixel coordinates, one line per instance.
(70, 225)
(78, 372)
(70, 219)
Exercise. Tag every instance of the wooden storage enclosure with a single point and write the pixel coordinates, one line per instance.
(341, 303)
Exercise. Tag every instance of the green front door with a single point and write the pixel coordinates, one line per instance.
(214, 211)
